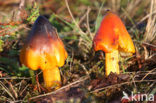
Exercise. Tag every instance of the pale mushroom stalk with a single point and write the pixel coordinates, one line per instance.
(112, 62)
(55, 79)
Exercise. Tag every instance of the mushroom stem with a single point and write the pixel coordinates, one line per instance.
(52, 78)
(111, 62)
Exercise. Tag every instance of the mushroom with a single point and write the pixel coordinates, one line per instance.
(45, 50)
(111, 38)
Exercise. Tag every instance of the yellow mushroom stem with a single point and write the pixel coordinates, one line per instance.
(52, 78)
(112, 62)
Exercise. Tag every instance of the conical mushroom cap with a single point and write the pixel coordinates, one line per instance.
(113, 35)
(43, 48)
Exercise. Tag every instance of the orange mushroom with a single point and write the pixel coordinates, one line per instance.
(111, 38)
(45, 50)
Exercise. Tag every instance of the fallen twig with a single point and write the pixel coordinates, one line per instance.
(117, 85)
(62, 88)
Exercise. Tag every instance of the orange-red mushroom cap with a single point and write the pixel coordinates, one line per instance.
(112, 35)
(43, 48)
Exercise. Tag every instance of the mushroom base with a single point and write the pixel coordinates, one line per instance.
(52, 78)
(112, 62)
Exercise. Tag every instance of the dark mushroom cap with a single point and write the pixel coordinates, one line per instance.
(43, 48)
